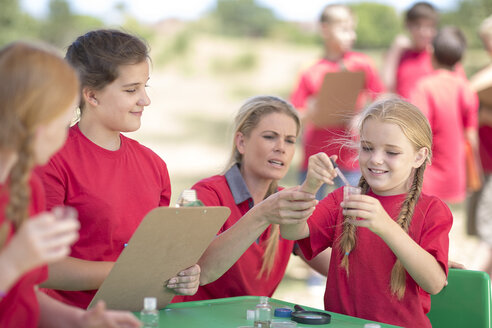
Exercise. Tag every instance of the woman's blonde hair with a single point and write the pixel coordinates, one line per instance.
(39, 85)
(248, 118)
(416, 128)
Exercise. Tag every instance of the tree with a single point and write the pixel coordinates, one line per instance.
(14, 24)
(62, 26)
(468, 16)
(243, 18)
(377, 25)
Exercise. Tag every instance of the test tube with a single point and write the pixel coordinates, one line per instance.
(339, 173)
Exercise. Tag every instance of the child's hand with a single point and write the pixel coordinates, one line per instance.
(99, 317)
(42, 240)
(320, 170)
(186, 282)
(368, 211)
(401, 43)
(288, 206)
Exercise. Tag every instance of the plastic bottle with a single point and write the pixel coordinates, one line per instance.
(188, 198)
(263, 314)
(149, 314)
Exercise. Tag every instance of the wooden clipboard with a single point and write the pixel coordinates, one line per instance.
(337, 98)
(168, 240)
(485, 97)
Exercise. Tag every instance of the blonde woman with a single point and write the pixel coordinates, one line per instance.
(248, 257)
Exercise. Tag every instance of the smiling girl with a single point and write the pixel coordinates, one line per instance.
(113, 181)
(390, 244)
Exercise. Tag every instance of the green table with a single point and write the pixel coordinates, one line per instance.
(231, 313)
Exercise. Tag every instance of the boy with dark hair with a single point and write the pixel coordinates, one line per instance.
(451, 106)
(409, 58)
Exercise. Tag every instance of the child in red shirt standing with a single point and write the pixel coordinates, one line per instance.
(337, 24)
(480, 81)
(37, 101)
(410, 59)
(249, 257)
(451, 107)
(390, 243)
(113, 181)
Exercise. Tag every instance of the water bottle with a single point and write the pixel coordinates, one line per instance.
(263, 314)
(188, 198)
(149, 314)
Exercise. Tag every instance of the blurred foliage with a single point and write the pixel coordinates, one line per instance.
(14, 24)
(373, 20)
(62, 26)
(377, 24)
(243, 18)
(294, 33)
(468, 16)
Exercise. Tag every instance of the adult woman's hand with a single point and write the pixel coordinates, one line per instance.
(288, 206)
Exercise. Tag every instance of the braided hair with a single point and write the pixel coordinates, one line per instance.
(417, 129)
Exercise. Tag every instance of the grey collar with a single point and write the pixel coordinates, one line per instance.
(237, 185)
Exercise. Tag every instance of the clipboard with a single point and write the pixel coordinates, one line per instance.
(485, 97)
(337, 98)
(167, 241)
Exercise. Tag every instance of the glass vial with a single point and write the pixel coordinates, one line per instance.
(149, 314)
(263, 314)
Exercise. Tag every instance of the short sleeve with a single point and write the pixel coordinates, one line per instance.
(322, 227)
(166, 187)
(435, 235)
(301, 93)
(54, 182)
(373, 82)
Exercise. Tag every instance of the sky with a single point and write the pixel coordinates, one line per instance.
(151, 11)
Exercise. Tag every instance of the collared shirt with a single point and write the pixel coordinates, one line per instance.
(241, 279)
(238, 187)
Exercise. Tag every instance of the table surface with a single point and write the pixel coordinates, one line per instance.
(231, 313)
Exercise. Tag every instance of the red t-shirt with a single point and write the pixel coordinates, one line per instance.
(19, 308)
(451, 106)
(241, 279)
(316, 139)
(412, 67)
(366, 292)
(111, 190)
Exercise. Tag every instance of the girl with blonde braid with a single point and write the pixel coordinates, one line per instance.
(390, 244)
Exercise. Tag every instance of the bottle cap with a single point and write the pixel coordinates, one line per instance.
(282, 312)
(263, 299)
(150, 303)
